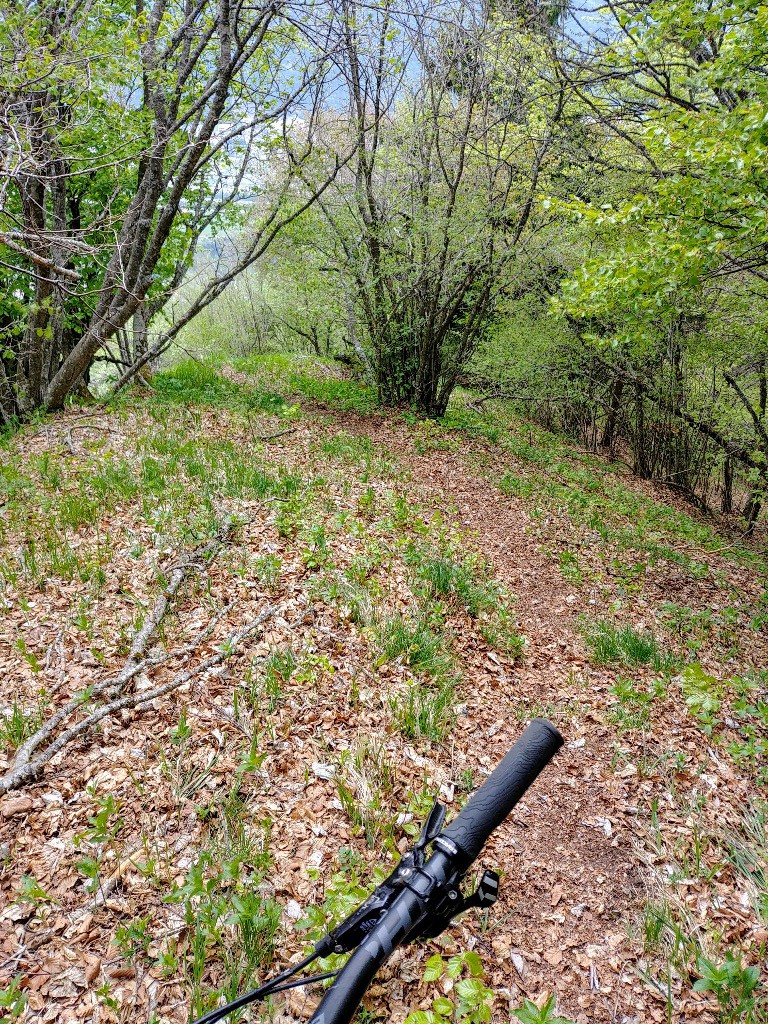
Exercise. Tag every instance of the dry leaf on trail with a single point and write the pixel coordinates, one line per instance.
(553, 956)
(519, 964)
(576, 854)
(17, 805)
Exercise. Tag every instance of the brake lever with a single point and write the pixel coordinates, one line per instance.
(432, 827)
(348, 935)
(453, 903)
(485, 895)
(352, 930)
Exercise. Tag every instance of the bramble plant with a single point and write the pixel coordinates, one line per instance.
(530, 1013)
(474, 1002)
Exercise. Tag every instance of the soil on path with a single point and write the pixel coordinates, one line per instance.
(573, 883)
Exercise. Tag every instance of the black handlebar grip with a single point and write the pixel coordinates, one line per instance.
(489, 805)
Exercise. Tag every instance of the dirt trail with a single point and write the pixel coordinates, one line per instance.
(574, 881)
(578, 867)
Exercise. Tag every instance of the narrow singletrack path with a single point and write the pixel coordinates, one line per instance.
(573, 880)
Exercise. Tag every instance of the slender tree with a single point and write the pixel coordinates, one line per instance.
(453, 126)
(125, 134)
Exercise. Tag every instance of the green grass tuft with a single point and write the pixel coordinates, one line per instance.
(609, 643)
(18, 724)
(417, 642)
(343, 395)
(194, 383)
(425, 711)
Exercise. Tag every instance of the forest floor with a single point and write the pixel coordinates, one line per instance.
(252, 626)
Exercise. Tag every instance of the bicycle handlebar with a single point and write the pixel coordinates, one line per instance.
(490, 805)
(401, 921)
(420, 897)
(457, 847)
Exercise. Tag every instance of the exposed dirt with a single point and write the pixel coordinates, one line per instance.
(578, 864)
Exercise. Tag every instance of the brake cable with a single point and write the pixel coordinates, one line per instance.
(279, 983)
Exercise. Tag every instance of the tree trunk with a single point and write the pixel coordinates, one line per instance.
(727, 502)
(641, 438)
(614, 405)
(752, 508)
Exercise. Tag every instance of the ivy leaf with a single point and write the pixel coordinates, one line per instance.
(474, 964)
(434, 968)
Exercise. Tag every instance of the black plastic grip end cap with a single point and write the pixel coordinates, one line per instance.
(557, 736)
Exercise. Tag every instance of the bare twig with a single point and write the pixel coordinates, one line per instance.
(25, 768)
(280, 433)
(509, 397)
(26, 773)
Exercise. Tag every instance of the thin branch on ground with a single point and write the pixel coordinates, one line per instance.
(280, 433)
(25, 768)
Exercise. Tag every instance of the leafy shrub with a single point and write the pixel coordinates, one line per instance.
(474, 1002)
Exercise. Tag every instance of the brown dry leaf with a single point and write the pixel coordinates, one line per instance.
(302, 1004)
(552, 861)
(16, 805)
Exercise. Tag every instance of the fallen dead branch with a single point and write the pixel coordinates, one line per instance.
(26, 768)
(476, 403)
(23, 773)
(280, 433)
